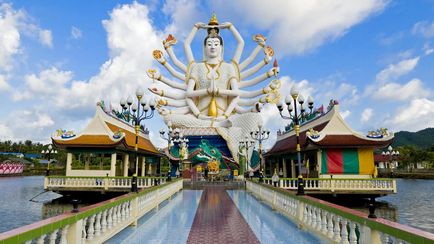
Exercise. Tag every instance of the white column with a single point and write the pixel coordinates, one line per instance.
(143, 166)
(126, 164)
(284, 168)
(68, 164)
(293, 169)
(113, 165)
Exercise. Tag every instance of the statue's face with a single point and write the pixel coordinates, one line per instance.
(213, 48)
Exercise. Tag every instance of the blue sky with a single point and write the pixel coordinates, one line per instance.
(57, 58)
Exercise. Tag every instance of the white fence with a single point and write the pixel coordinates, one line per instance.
(99, 182)
(335, 223)
(333, 185)
(96, 223)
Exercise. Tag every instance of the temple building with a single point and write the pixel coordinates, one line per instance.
(329, 148)
(106, 147)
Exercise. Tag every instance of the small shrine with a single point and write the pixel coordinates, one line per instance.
(329, 148)
(106, 147)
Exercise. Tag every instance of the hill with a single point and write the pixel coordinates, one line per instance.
(421, 139)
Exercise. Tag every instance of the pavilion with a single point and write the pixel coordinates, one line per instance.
(329, 148)
(106, 147)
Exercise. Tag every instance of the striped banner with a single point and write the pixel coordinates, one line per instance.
(347, 161)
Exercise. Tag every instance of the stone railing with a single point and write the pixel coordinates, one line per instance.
(336, 223)
(100, 182)
(333, 185)
(95, 223)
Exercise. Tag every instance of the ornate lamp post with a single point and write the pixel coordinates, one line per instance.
(175, 136)
(260, 135)
(389, 157)
(295, 117)
(48, 152)
(137, 112)
(246, 143)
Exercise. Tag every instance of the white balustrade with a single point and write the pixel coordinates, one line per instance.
(338, 184)
(324, 222)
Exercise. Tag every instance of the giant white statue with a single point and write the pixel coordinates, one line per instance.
(212, 93)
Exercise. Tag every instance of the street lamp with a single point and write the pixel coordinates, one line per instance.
(294, 98)
(136, 113)
(50, 150)
(175, 136)
(390, 155)
(246, 143)
(260, 135)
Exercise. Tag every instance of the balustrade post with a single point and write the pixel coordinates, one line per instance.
(324, 223)
(104, 221)
(330, 225)
(301, 212)
(110, 219)
(64, 235)
(134, 210)
(353, 235)
(98, 224)
(72, 233)
(344, 232)
(337, 230)
(53, 236)
(90, 229)
(41, 239)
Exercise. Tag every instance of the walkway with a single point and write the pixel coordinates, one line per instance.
(218, 220)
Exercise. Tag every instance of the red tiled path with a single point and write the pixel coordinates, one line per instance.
(218, 220)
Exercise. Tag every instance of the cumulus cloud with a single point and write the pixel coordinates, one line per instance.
(419, 114)
(4, 86)
(394, 71)
(366, 115)
(25, 124)
(397, 92)
(10, 35)
(46, 38)
(298, 26)
(424, 28)
(75, 33)
(183, 15)
(345, 114)
(14, 23)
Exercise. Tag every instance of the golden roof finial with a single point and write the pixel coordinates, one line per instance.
(213, 20)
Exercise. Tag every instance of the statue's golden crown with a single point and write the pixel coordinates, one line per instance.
(213, 20)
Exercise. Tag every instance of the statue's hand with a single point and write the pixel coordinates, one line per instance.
(153, 74)
(200, 25)
(163, 111)
(204, 117)
(226, 25)
(273, 71)
(155, 90)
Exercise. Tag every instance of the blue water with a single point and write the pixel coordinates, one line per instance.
(269, 226)
(170, 224)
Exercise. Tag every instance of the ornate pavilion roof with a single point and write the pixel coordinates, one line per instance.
(105, 131)
(329, 131)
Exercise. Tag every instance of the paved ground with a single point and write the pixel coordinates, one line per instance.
(218, 220)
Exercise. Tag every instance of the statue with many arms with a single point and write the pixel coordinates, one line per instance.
(211, 92)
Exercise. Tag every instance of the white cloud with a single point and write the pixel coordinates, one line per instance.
(10, 35)
(299, 26)
(427, 49)
(397, 92)
(366, 115)
(417, 115)
(45, 38)
(345, 114)
(75, 33)
(424, 28)
(4, 86)
(5, 132)
(26, 124)
(394, 71)
(183, 14)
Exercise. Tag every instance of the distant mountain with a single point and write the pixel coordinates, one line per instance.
(421, 139)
